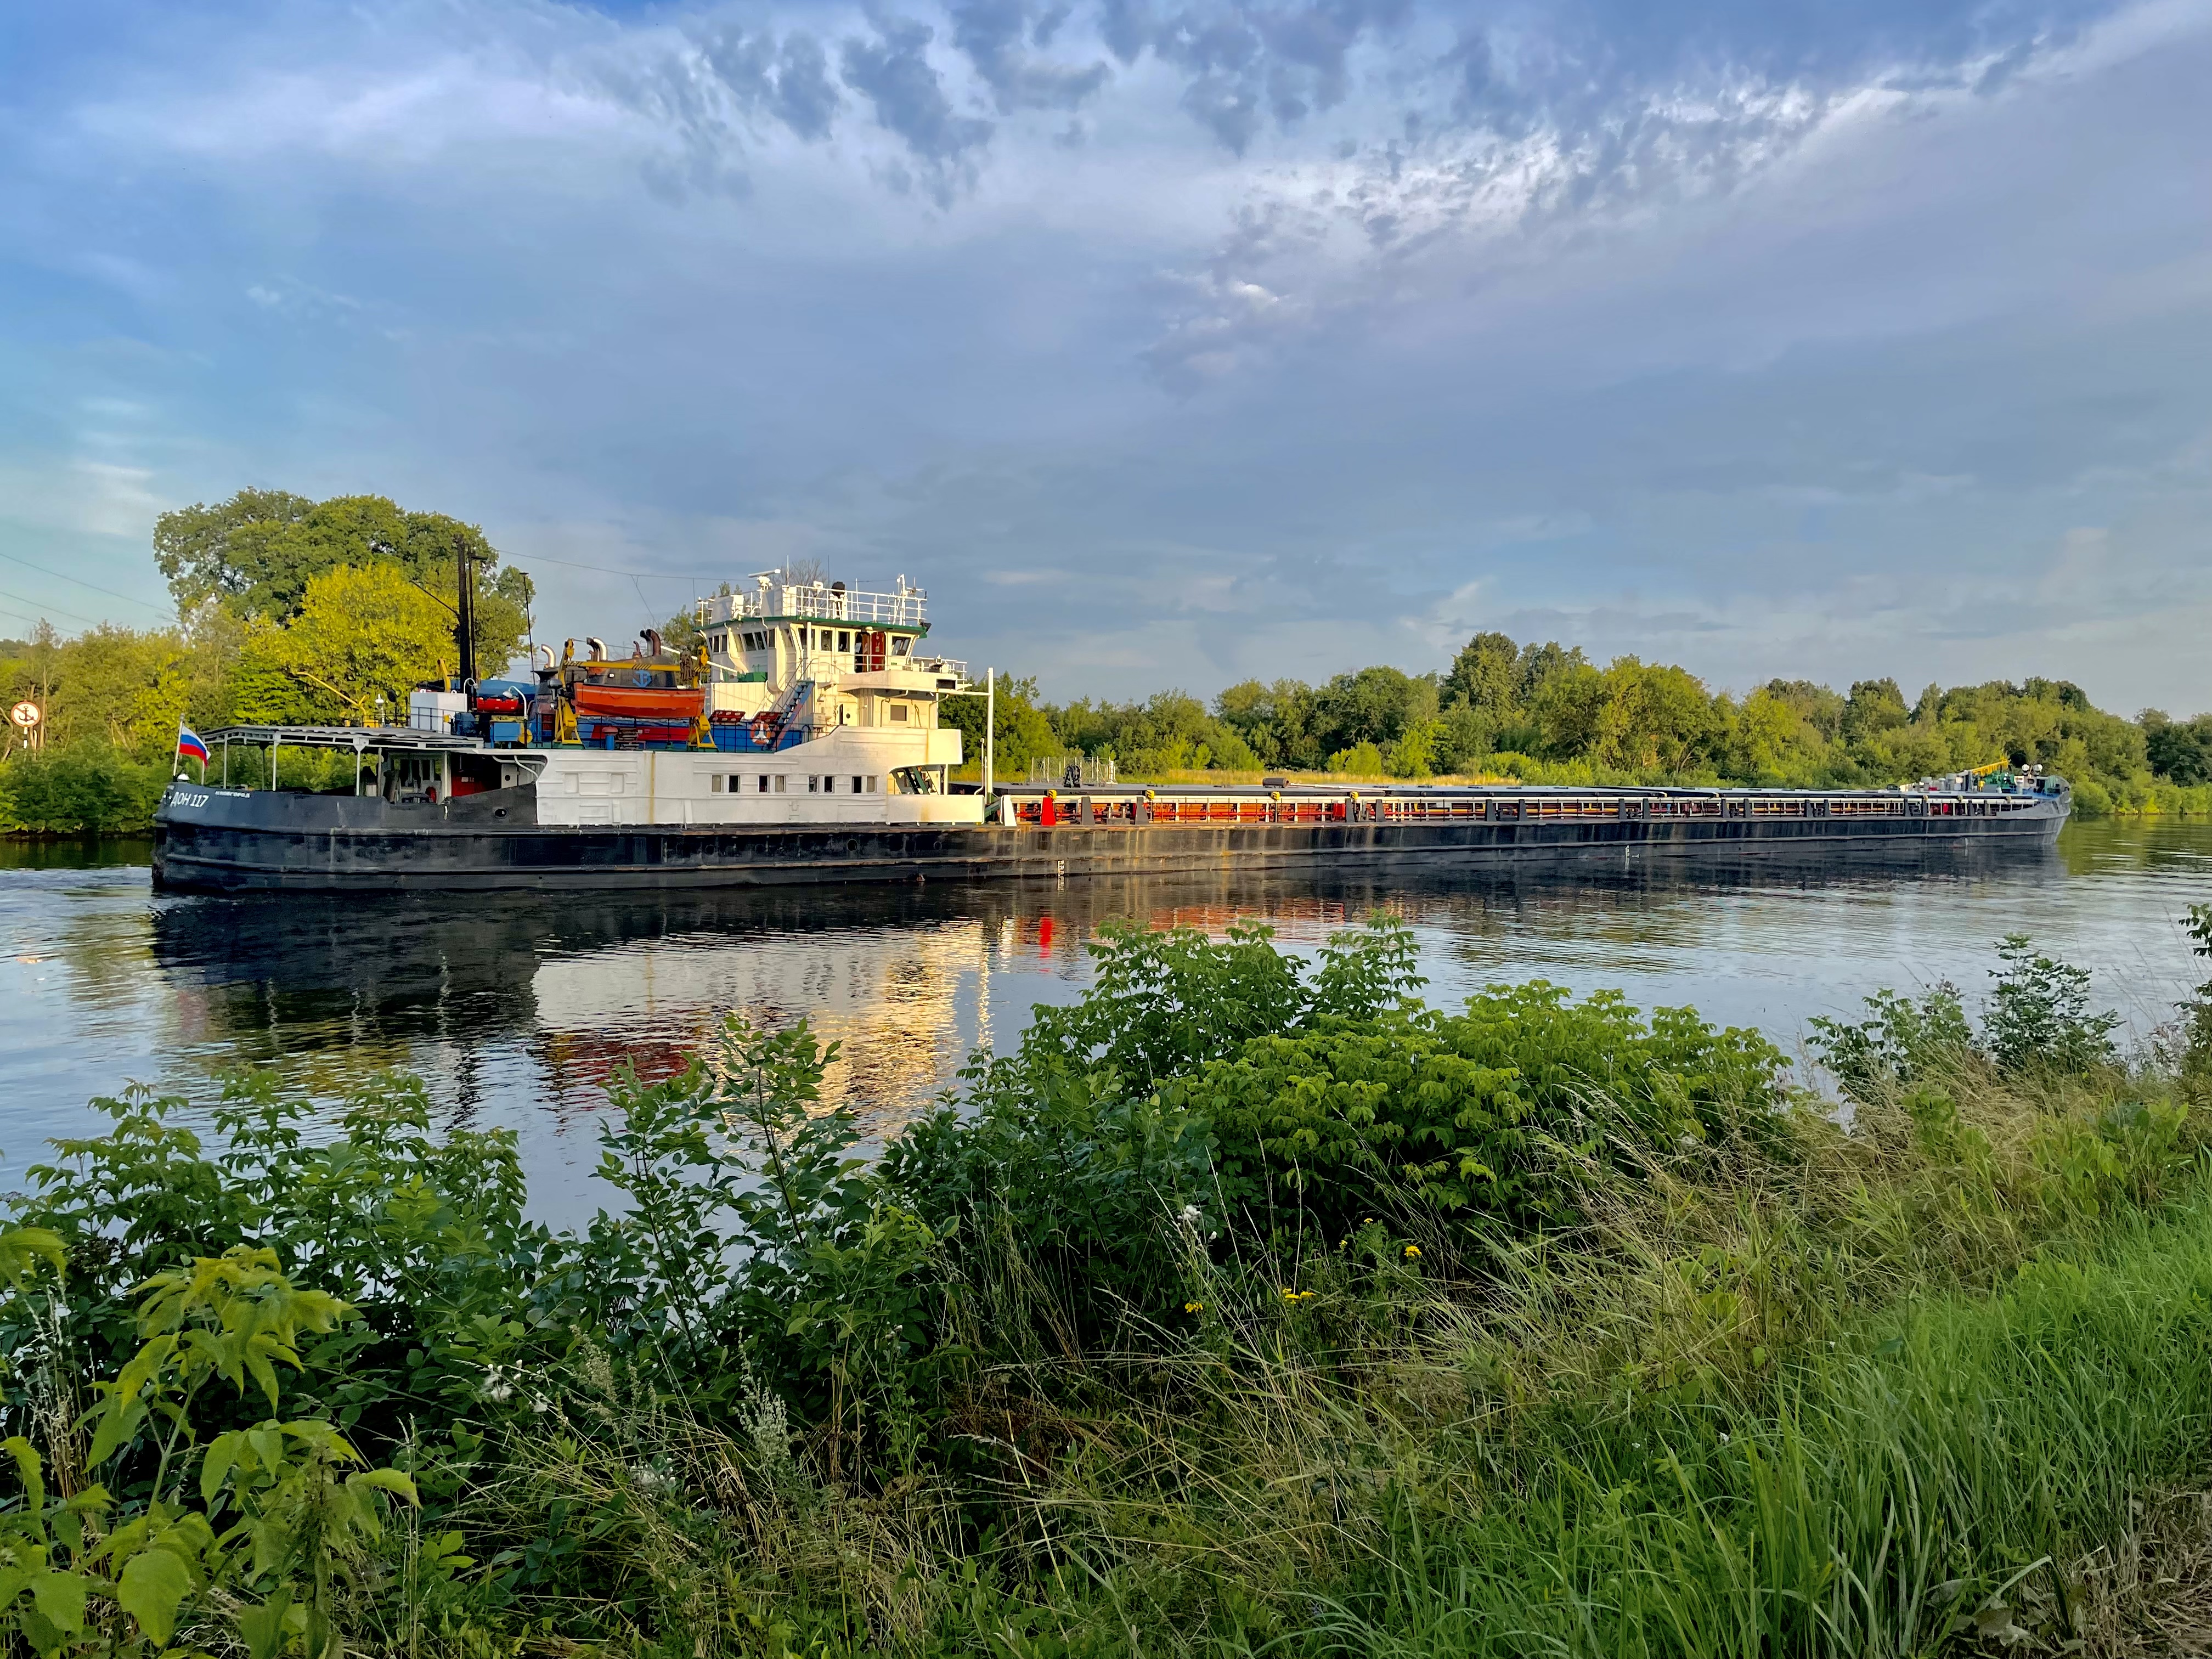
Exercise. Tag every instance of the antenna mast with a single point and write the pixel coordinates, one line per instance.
(465, 624)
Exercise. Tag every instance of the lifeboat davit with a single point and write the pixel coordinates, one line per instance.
(639, 702)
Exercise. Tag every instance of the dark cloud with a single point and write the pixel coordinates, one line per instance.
(805, 102)
(993, 32)
(1229, 107)
(1290, 61)
(791, 82)
(894, 73)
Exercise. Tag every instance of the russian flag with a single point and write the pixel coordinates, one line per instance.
(189, 745)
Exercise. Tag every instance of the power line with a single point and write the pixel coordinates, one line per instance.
(518, 562)
(62, 575)
(76, 616)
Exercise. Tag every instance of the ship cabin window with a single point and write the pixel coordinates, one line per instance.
(898, 713)
(813, 783)
(714, 785)
(900, 645)
(844, 640)
(872, 785)
(857, 782)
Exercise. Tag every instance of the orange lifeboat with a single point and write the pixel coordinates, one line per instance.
(632, 702)
(640, 693)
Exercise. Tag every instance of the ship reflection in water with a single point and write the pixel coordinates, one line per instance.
(517, 1010)
(556, 994)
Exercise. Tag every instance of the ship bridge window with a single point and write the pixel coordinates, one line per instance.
(899, 645)
(844, 640)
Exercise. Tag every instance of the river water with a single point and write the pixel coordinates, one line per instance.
(516, 1010)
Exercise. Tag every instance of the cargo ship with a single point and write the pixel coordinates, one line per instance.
(803, 738)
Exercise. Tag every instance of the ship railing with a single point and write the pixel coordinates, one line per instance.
(1068, 803)
(904, 608)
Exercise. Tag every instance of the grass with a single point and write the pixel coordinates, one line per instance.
(1919, 1385)
(1951, 1467)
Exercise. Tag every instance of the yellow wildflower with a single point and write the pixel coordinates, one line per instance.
(1193, 1307)
(1412, 1250)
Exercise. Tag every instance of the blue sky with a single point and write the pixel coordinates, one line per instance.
(1164, 343)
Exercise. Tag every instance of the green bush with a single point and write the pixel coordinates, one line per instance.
(1497, 1114)
(87, 789)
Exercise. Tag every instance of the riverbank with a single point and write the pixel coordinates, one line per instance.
(1245, 1302)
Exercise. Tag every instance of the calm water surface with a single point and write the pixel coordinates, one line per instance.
(516, 1011)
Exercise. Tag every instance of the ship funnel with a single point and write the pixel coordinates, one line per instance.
(599, 647)
(651, 638)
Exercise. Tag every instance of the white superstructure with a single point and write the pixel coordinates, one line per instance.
(835, 701)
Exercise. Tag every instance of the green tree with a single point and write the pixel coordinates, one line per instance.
(2178, 749)
(362, 630)
(1022, 733)
(1652, 718)
(1566, 707)
(256, 553)
(1875, 707)
(1169, 732)
(1487, 675)
(1277, 722)
(1370, 706)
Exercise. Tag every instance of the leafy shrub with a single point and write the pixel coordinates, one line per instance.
(2037, 1022)
(2039, 1018)
(85, 789)
(1902, 1043)
(2197, 1012)
(1483, 1114)
(1068, 1152)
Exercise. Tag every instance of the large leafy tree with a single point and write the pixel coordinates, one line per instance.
(256, 554)
(362, 630)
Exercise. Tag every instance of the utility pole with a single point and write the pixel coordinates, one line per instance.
(464, 625)
(990, 727)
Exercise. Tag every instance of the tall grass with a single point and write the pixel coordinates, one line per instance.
(1947, 1468)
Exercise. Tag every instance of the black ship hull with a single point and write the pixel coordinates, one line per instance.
(237, 840)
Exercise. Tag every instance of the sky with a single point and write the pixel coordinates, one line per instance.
(1165, 343)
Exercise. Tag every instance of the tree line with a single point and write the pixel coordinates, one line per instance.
(299, 611)
(1544, 712)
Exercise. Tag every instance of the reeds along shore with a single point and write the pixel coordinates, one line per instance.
(1251, 1305)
